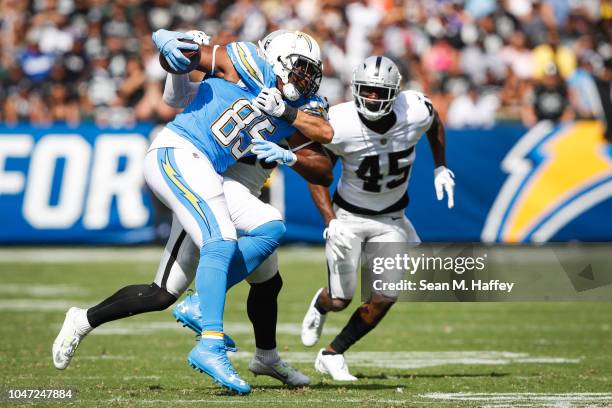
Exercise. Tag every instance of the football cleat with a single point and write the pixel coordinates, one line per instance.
(67, 340)
(187, 312)
(209, 356)
(281, 371)
(312, 325)
(333, 365)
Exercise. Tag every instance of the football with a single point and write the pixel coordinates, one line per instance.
(193, 55)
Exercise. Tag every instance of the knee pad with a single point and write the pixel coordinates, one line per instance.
(160, 299)
(218, 250)
(272, 231)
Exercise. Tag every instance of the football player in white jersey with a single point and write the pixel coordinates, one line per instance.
(375, 139)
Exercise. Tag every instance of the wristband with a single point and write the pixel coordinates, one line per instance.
(289, 114)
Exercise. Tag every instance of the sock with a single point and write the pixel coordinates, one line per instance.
(129, 301)
(262, 308)
(81, 322)
(355, 329)
(269, 357)
(211, 282)
(253, 248)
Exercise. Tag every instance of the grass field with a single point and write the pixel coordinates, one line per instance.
(422, 354)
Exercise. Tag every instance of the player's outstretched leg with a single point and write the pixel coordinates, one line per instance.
(187, 312)
(128, 301)
(189, 185)
(330, 360)
(262, 308)
(209, 356)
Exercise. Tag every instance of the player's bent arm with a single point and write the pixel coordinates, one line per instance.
(312, 162)
(215, 61)
(436, 136)
(322, 198)
(314, 127)
(179, 91)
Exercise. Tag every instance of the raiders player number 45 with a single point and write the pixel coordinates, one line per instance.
(374, 137)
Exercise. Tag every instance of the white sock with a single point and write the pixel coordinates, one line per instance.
(81, 322)
(268, 357)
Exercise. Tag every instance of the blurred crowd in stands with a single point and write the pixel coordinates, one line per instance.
(479, 61)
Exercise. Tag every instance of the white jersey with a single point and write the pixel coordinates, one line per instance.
(251, 173)
(376, 167)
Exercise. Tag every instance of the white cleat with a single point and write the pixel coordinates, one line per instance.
(333, 365)
(67, 340)
(312, 325)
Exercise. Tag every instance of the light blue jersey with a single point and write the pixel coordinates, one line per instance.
(221, 122)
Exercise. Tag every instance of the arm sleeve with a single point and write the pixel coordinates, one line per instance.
(179, 91)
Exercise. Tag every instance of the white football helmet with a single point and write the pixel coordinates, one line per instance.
(295, 58)
(376, 75)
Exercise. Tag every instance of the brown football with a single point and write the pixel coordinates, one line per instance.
(193, 55)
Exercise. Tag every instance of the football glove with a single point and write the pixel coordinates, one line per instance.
(270, 101)
(199, 37)
(443, 181)
(264, 149)
(338, 238)
(168, 44)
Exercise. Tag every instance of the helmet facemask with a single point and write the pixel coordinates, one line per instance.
(305, 74)
(377, 107)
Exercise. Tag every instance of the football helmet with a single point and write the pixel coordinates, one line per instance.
(375, 85)
(295, 58)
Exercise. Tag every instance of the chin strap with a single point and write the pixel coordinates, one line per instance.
(290, 92)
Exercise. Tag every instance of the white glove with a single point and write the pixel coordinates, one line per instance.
(270, 101)
(443, 181)
(339, 238)
(199, 37)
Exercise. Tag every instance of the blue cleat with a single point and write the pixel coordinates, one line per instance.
(187, 312)
(209, 357)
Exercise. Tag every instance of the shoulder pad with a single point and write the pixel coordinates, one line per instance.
(420, 109)
(252, 68)
(317, 105)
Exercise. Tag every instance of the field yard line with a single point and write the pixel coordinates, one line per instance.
(107, 357)
(524, 396)
(77, 255)
(35, 305)
(418, 359)
(124, 254)
(37, 290)
(139, 328)
(249, 401)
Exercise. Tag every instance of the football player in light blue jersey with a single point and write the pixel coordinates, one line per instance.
(236, 110)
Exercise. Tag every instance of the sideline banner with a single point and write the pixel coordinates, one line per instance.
(61, 185)
(81, 185)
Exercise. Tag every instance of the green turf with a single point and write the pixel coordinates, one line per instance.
(150, 369)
